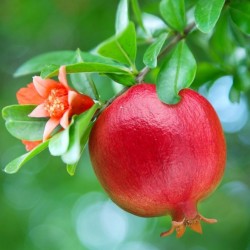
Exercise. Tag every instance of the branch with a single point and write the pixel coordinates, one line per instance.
(146, 69)
(170, 45)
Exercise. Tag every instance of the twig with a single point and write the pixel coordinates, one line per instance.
(170, 45)
(146, 69)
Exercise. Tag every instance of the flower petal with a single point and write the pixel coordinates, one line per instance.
(39, 111)
(78, 102)
(44, 86)
(29, 145)
(62, 76)
(72, 95)
(29, 95)
(51, 124)
(64, 121)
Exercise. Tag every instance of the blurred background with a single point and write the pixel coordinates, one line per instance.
(42, 207)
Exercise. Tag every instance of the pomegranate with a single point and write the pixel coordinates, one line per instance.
(155, 159)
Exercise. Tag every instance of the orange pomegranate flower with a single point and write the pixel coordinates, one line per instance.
(55, 100)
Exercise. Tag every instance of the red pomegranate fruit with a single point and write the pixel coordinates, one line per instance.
(155, 159)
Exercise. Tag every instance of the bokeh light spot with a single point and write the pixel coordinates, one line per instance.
(233, 116)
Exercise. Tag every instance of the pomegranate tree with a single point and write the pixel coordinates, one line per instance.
(157, 149)
(155, 159)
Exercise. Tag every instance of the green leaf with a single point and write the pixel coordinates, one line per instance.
(221, 44)
(82, 82)
(137, 14)
(240, 38)
(242, 78)
(77, 131)
(59, 143)
(20, 125)
(234, 94)
(71, 168)
(122, 19)
(121, 47)
(207, 72)
(58, 58)
(177, 72)
(241, 83)
(16, 164)
(240, 13)
(85, 67)
(88, 57)
(126, 80)
(207, 14)
(190, 4)
(152, 52)
(37, 63)
(173, 12)
(73, 153)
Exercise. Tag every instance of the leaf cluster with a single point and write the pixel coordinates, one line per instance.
(193, 43)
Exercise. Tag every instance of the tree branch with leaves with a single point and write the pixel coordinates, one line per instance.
(195, 43)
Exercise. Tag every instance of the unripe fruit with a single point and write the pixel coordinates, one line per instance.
(155, 159)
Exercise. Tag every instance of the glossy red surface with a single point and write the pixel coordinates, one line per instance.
(155, 159)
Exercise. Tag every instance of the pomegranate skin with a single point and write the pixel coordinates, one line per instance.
(156, 159)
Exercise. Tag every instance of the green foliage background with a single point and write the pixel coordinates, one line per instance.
(42, 207)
